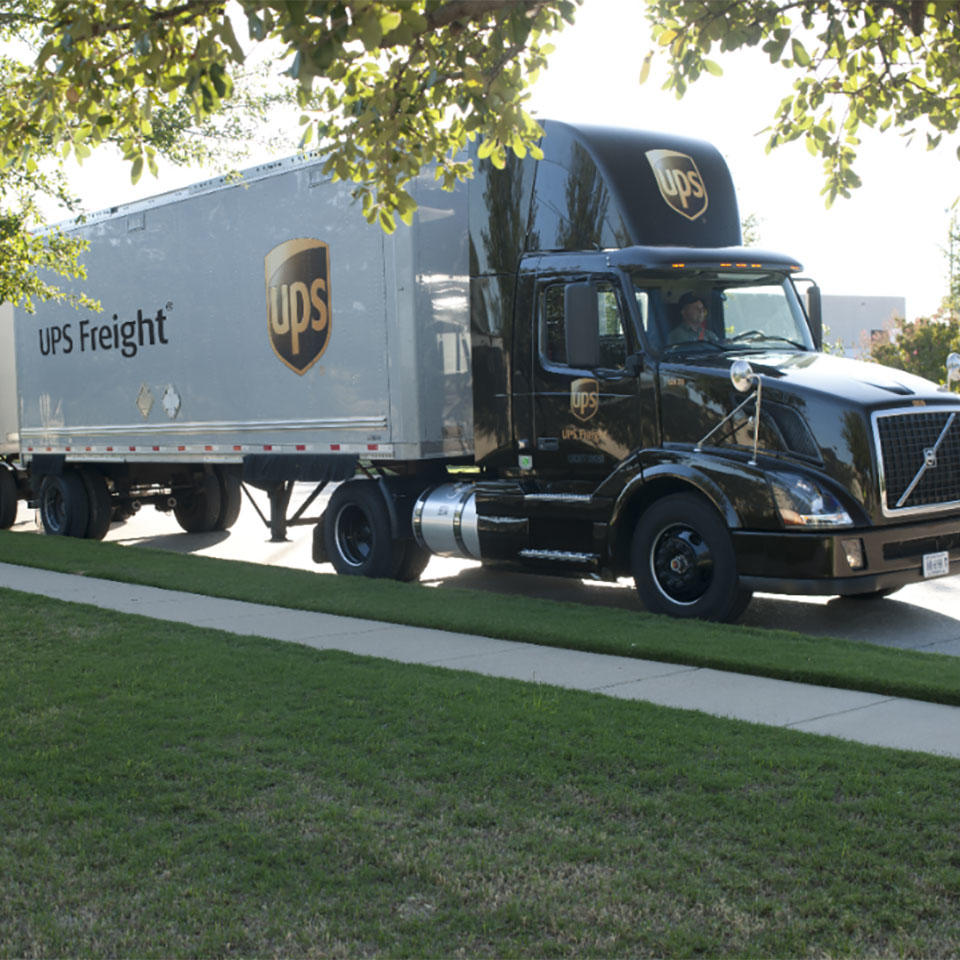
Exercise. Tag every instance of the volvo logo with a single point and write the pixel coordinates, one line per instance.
(930, 457)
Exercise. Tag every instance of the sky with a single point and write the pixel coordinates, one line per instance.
(887, 240)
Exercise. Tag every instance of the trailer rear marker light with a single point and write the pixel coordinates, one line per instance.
(300, 447)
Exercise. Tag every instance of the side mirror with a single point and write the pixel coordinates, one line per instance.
(582, 325)
(815, 315)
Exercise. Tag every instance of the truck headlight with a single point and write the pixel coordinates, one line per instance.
(802, 503)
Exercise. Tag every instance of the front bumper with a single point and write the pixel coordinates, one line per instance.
(816, 562)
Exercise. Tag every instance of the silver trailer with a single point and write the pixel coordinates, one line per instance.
(231, 334)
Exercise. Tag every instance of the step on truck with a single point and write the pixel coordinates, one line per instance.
(568, 366)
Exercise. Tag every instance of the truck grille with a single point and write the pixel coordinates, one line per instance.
(919, 459)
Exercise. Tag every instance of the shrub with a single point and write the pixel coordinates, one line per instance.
(921, 347)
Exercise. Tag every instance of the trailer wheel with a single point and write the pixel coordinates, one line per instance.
(64, 508)
(8, 498)
(231, 499)
(356, 532)
(99, 504)
(683, 561)
(199, 509)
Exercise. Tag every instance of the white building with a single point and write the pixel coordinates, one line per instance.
(854, 321)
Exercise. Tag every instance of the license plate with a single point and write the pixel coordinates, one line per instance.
(936, 564)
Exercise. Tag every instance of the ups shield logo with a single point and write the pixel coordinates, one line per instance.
(680, 182)
(298, 302)
(584, 398)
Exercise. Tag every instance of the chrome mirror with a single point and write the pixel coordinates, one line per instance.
(742, 375)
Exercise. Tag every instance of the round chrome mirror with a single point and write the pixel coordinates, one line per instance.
(742, 375)
(953, 367)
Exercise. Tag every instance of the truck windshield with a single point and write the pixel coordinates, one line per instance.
(714, 310)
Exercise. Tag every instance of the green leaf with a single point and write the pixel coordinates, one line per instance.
(713, 68)
(645, 69)
(800, 55)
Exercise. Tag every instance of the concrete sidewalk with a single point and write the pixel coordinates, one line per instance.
(851, 715)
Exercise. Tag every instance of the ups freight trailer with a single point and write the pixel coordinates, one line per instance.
(570, 366)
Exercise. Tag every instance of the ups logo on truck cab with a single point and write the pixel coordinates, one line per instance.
(298, 301)
(584, 398)
(679, 181)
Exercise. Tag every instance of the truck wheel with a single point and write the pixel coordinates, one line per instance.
(414, 562)
(98, 501)
(8, 498)
(683, 561)
(64, 508)
(199, 509)
(231, 499)
(356, 532)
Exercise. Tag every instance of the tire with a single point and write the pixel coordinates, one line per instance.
(64, 508)
(231, 499)
(99, 503)
(413, 563)
(199, 509)
(357, 535)
(8, 498)
(683, 561)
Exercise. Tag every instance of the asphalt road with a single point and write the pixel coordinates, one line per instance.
(923, 616)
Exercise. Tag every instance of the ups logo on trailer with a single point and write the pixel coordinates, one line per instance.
(680, 182)
(298, 301)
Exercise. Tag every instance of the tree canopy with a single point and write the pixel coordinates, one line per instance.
(385, 86)
(858, 63)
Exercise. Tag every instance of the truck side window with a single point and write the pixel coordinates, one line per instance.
(613, 341)
(553, 331)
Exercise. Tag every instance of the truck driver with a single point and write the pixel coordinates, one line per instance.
(693, 320)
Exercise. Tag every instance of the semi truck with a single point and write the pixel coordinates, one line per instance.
(571, 365)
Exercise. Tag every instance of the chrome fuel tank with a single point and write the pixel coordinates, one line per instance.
(445, 521)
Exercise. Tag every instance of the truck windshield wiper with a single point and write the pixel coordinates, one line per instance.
(751, 335)
(696, 345)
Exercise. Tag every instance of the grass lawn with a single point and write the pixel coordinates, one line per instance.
(780, 654)
(169, 791)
